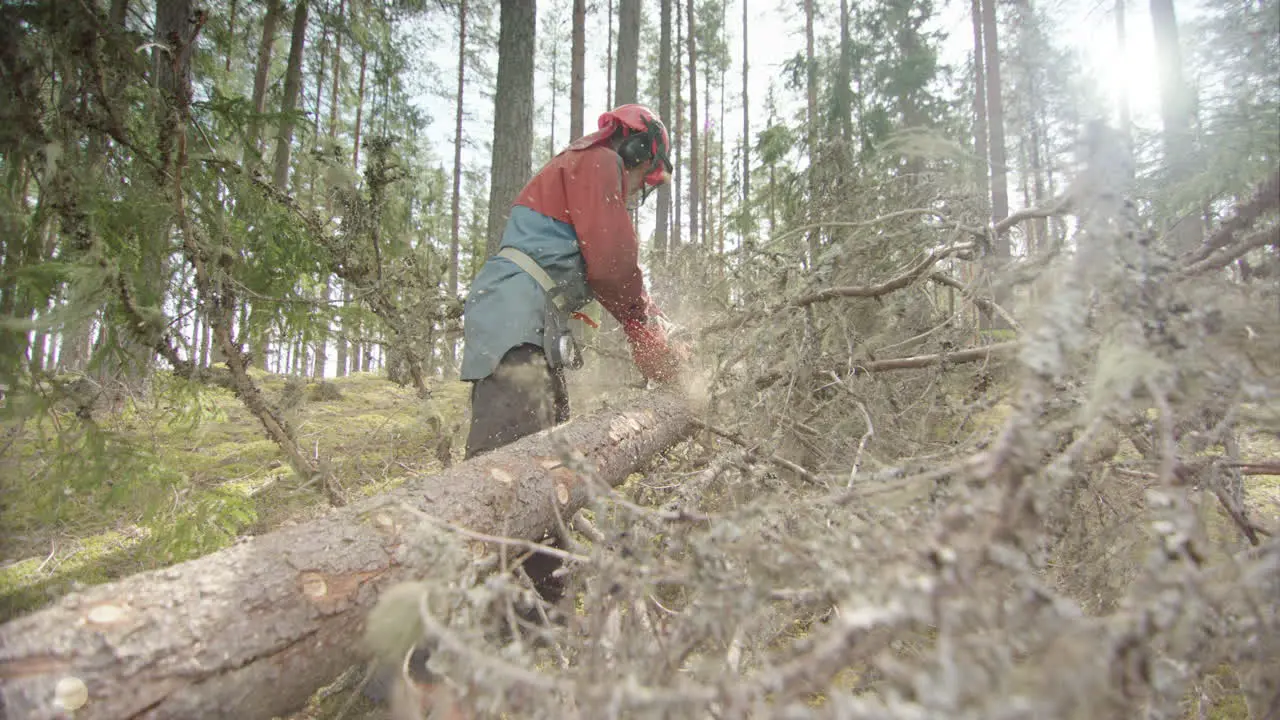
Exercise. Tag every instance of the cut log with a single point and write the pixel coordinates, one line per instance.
(253, 630)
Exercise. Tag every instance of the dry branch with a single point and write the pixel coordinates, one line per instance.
(986, 304)
(253, 630)
(1267, 197)
(901, 281)
(898, 282)
(753, 452)
(1058, 206)
(1225, 256)
(907, 363)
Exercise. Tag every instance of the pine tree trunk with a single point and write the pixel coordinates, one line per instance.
(677, 141)
(261, 74)
(1177, 109)
(320, 68)
(320, 347)
(340, 352)
(119, 10)
(980, 104)
(340, 348)
(196, 331)
(14, 341)
(1122, 43)
(995, 124)
(206, 334)
(578, 73)
(608, 59)
(663, 220)
(723, 135)
(746, 123)
(690, 36)
(1041, 225)
(455, 201)
(555, 94)
(231, 34)
(251, 631)
(626, 85)
(705, 202)
(999, 163)
(355, 152)
(513, 114)
(843, 92)
(337, 71)
(811, 124)
(292, 88)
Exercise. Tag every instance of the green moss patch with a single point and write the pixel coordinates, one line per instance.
(189, 470)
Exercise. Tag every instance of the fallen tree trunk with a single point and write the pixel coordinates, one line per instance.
(253, 630)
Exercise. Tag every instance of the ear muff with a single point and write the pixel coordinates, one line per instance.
(636, 149)
(644, 147)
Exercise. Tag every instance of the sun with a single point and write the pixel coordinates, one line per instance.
(1129, 73)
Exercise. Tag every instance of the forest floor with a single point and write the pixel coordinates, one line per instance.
(159, 483)
(162, 483)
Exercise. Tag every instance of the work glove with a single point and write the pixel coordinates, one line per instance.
(654, 356)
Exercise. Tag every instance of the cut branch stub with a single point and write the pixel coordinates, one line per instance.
(253, 630)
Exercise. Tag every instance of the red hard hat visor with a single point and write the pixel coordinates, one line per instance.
(638, 118)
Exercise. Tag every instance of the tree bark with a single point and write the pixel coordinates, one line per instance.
(337, 70)
(340, 352)
(691, 36)
(995, 122)
(705, 202)
(628, 67)
(842, 93)
(1177, 110)
(292, 88)
(746, 123)
(253, 630)
(455, 201)
(811, 122)
(677, 143)
(722, 136)
(664, 109)
(980, 103)
(608, 58)
(996, 147)
(578, 71)
(1122, 41)
(513, 113)
(231, 34)
(260, 76)
(355, 151)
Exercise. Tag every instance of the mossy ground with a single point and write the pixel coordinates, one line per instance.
(189, 471)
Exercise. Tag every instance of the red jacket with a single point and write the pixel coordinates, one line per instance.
(585, 187)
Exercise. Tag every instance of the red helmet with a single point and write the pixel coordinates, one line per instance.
(645, 139)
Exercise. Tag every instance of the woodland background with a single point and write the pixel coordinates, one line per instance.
(962, 330)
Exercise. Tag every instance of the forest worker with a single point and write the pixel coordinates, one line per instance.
(569, 238)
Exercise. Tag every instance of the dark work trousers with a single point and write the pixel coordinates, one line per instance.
(521, 397)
